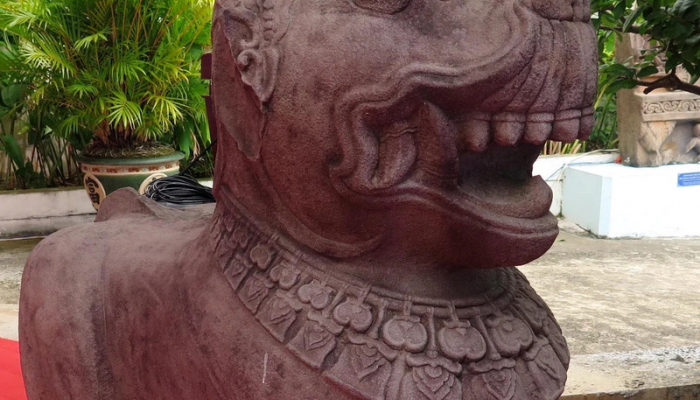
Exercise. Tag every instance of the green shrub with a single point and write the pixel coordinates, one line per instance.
(673, 29)
(123, 74)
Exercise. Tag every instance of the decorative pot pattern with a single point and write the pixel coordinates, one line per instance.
(103, 176)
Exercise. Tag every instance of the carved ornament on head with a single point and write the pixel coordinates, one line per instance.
(252, 30)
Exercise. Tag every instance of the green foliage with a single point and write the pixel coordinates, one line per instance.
(673, 27)
(16, 169)
(23, 170)
(121, 74)
(124, 72)
(51, 161)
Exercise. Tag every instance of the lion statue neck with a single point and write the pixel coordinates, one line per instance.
(359, 333)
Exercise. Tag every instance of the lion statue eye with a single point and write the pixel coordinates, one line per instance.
(383, 6)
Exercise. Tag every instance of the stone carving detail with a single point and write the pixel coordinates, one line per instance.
(285, 275)
(509, 334)
(405, 332)
(354, 313)
(660, 107)
(657, 128)
(313, 343)
(545, 367)
(315, 293)
(458, 340)
(255, 290)
(498, 384)
(279, 314)
(388, 347)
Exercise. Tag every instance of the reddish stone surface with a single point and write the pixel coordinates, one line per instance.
(374, 189)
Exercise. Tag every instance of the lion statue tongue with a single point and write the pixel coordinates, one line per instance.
(374, 194)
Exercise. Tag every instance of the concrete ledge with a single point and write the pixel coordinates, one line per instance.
(689, 392)
(645, 374)
(42, 211)
(39, 212)
(31, 227)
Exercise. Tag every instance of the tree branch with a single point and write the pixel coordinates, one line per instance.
(670, 81)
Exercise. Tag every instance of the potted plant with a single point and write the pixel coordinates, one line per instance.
(122, 73)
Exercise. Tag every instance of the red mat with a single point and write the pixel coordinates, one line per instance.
(11, 383)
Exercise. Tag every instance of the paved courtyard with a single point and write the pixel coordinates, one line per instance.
(630, 309)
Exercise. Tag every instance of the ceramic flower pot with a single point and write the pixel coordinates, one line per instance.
(102, 176)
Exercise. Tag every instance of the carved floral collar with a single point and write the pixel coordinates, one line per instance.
(383, 345)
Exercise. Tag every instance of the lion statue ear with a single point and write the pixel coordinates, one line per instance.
(243, 77)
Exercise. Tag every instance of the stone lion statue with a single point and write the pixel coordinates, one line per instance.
(374, 193)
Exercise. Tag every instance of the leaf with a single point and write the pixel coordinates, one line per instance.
(11, 94)
(682, 6)
(675, 30)
(76, 54)
(91, 39)
(655, 15)
(126, 68)
(619, 10)
(619, 70)
(184, 136)
(47, 52)
(167, 108)
(620, 84)
(12, 149)
(124, 112)
(70, 125)
(672, 62)
(648, 70)
(629, 22)
(692, 14)
(81, 89)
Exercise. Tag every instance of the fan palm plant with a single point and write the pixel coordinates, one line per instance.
(122, 73)
(125, 71)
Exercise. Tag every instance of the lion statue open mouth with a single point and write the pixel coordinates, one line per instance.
(419, 111)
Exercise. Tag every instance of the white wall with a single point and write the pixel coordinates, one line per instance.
(43, 211)
(551, 169)
(37, 212)
(613, 200)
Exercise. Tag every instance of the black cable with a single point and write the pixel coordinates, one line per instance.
(179, 189)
